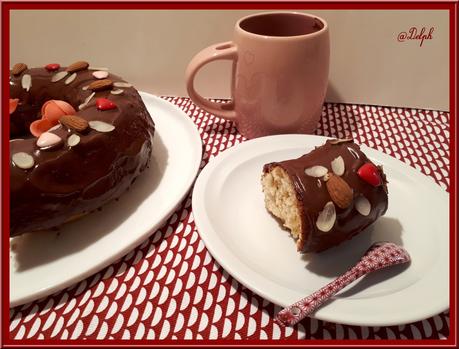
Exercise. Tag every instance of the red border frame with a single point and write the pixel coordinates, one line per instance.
(444, 5)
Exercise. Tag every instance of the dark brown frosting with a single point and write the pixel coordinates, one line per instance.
(66, 182)
(313, 197)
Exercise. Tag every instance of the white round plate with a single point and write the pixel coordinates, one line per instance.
(229, 212)
(43, 263)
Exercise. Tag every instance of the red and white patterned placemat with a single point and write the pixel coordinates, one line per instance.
(171, 288)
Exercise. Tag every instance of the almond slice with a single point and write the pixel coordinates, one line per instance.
(342, 140)
(100, 74)
(101, 126)
(48, 139)
(362, 205)
(118, 91)
(121, 84)
(70, 79)
(98, 68)
(316, 171)
(327, 217)
(73, 140)
(86, 101)
(55, 127)
(23, 160)
(26, 82)
(353, 153)
(59, 76)
(338, 166)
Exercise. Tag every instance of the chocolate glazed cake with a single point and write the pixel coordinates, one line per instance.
(86, 159)
(326, 196)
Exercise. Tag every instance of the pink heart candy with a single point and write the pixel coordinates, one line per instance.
(54, 109)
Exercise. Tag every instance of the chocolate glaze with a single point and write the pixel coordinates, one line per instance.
(313, 197)
(66, 182)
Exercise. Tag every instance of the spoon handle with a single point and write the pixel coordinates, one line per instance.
(379, 255)
(296, 312)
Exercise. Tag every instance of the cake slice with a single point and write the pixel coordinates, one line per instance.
(326, 196)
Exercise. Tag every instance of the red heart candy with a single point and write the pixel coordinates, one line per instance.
(52, 66)
(105, 104)
(370, 174)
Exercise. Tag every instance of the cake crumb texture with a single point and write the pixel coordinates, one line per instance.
(281, 200)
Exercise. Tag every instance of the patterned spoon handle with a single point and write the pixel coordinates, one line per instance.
(297, 311)
(379, 255)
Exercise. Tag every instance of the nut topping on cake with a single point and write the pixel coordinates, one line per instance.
(26, 82)
(77, 66)
(338, 166)
(339, 141)
(23, 160)
(59, 76)
(340, 192)
(48, 140)
(316, 171)
(73, 140)
(118, 91)
(353, 153)
(101, 85)
(70, 79)
(86, 101)
(327, 217)
(18, 68)
(122, 84)
(101, 126)
(362, 205)
(74, 122)
(100, 74)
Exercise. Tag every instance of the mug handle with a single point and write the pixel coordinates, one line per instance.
(224, 50)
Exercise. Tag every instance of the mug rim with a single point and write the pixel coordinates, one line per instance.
(289, 37)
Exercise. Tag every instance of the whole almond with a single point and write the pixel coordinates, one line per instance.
(100, 85)
(77, 66)
(74, 122)
(340, 192)
(18, 68)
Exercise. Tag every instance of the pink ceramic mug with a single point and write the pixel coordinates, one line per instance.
(280, 73)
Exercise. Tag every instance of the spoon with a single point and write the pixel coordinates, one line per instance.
(379, 255)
